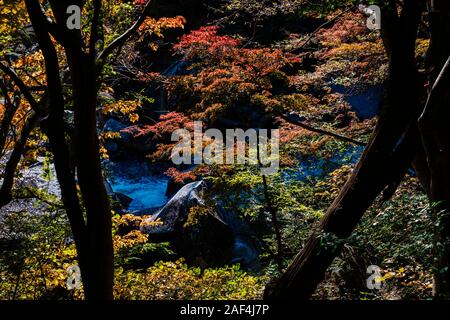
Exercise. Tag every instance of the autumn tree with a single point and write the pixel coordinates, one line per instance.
(75, 152)
(399, 141)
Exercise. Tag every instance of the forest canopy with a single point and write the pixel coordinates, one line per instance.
(347, 102)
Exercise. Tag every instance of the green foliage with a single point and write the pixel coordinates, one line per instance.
(229, 77)
(175, 280)
(195, 216)
(140, 256)
(397, 236)
(36, 251)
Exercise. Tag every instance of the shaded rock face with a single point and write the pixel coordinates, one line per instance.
(123, 199)
(245, 254)
(30, 180)
(173, 186)
(245, 250)
(159, 92)
(208, 242)
(366, 104)
(126, 142)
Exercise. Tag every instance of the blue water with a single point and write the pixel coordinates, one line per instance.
(366, 104)
(146, 192)
(312, 168)
(136, 180)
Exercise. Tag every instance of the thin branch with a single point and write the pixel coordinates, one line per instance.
(14, 159)
(5, 92)
(8, 115)
(312, 35)
(22, 86)
(291, 119)
(118, 42)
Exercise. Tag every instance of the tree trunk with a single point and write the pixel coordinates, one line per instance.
(93, 237)
(53, 126)
(384, 161)
(14, 159)
(90, 178)
(436, 138)
(276, 225)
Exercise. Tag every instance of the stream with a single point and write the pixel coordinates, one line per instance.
(136, 180)
(147, 188)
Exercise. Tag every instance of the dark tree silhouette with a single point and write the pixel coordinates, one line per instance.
(397, 143)
(76, 154)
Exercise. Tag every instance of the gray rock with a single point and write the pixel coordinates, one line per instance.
(113, 126)
(123, 199)
(174, 214)
(34, 178)
(37, 176)
(207, 242)
(126, 140)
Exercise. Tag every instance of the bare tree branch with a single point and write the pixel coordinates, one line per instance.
(14, 159)
(120, 41)
(11, 107)
(22, 86)
(291, 119)
(313, 34)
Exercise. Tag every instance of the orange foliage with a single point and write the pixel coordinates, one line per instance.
(155, 27)
(163, 129)
(228, 75)
(181, 177)
(343, 31)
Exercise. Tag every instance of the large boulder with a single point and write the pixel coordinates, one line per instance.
(30, 184)
(204, 239)
(39, 176)
(126, 140)
(173, 185)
